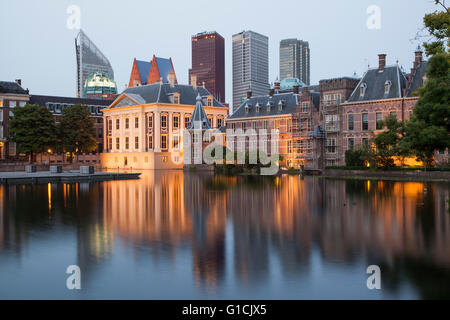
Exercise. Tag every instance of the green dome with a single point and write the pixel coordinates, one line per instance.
(99, 84)
(289, 83)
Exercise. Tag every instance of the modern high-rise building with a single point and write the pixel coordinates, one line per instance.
(89, 61)
(208, 63)
(250, 66)
(294, 60)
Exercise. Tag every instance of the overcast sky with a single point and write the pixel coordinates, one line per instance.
(38, 47)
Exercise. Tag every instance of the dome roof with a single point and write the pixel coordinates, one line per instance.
(289, 83)
(99, 83)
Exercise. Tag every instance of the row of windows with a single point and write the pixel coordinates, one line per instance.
(365, 121)
(164, 142)
(164, 122)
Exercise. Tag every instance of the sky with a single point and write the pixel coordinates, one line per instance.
(38, 47)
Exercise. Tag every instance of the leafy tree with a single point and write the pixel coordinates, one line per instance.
(33, 129)
(76, 130)
(429, 128)
(359, 156)
(387, 142)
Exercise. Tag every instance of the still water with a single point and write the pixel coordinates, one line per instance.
(175, 235)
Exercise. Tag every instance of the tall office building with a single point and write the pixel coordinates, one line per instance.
(294, 60)
(250, 65)
(208, 63)
(90, 60)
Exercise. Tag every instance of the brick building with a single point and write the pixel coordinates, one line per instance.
(157, 70)
(208, 63)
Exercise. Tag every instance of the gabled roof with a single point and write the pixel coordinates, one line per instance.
(289, 100)
(164, 67)
(417, 80)
(375, 81)
(11, 87)
(199, 120)
(163, 93)
(144, 70)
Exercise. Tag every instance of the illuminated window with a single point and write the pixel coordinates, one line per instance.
(164, 122)
(219, 122)
(176, 141)
(176, 121)
(209, 101)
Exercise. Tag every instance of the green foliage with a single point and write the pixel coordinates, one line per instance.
(77, 131)
(387, 143)
(438, 26)
(33, 129)
(357, 157)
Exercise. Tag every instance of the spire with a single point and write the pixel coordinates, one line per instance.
(199, 119)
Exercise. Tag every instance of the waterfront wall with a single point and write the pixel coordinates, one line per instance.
(410, 175)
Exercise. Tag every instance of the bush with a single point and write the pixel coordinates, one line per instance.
(357, 157)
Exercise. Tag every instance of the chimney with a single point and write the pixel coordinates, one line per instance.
(249, 93)
(419, 57)
(271, 92)
(161, 80)
(194, 80)
(171, 78)
(19, 82)
(296, 89)
(382, 62)
(203, 84)
(276, 85)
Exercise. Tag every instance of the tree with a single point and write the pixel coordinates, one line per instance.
(33, 129)
(359, 156)
(76, 130)
(429, 128)
(387, 142)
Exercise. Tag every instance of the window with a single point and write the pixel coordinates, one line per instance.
(265, 124)
(209, 101)
(243, 126)
(136, 142)
(136, 123)
(164, 142)
(176, 99)
(254, 125)
(363, 89)
(109, 126)
(117, 143)
(176, 141)
(365, 121)
(277, 124)
(305, 107)
(164, 122)
(289, 146)
(387, 87)
(150, 142)
(117, 124)
(258, 107)
(233, 126)
(127, 143)
(219, 122)
(176, 121)
(127, 123)
(365, 141)
(109, 143)
(351, 143)
(150, 122)
(246, 109)
(393, 113)
(350, 122)
(280, 105)
(331, 145)
(379, 118)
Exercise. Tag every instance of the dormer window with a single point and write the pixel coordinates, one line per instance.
(363, 89)
(280, 105)
(257, 107)
(246, 108)
(209, 101)
(176, 98)
(268, 106)
(387, 87)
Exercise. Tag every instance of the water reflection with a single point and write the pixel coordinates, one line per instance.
(242, 229)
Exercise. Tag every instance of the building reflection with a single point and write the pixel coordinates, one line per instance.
(269, 220)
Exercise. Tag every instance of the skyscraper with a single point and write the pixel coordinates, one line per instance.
(250, 65)
(208, 62)
(89, 61)
(294, 60)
